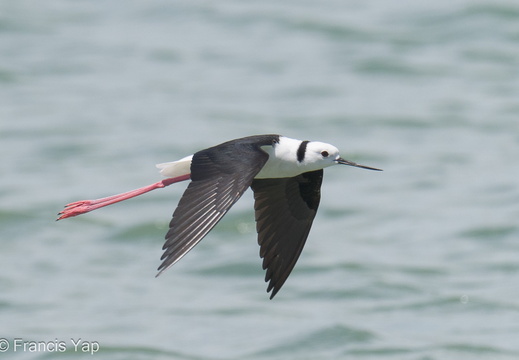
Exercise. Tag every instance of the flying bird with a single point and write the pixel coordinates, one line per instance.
(285, 175)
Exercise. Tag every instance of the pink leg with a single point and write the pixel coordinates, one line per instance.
(84, 206)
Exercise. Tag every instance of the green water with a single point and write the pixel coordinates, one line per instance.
(416, 262)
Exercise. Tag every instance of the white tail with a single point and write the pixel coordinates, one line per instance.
(176, 168)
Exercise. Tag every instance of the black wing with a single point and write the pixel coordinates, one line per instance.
(220, 175)
(285, 209)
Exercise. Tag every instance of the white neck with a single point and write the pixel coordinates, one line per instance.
(283, 160)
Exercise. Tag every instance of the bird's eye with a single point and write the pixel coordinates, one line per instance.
(324, 153)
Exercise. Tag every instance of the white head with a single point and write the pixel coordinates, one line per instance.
(291, 157)
(318, 155)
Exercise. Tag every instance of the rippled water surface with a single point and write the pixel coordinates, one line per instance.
(417, 262)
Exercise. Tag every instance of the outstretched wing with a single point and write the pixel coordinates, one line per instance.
(220, 175)
(285, 209)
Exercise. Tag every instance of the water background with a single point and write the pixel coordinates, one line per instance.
(420, 261)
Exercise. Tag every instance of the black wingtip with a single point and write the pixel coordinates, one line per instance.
(162, 268)
(274, 291)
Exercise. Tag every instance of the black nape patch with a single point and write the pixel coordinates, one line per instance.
(302, 150)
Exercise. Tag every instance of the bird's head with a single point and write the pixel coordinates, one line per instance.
(321, 155)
